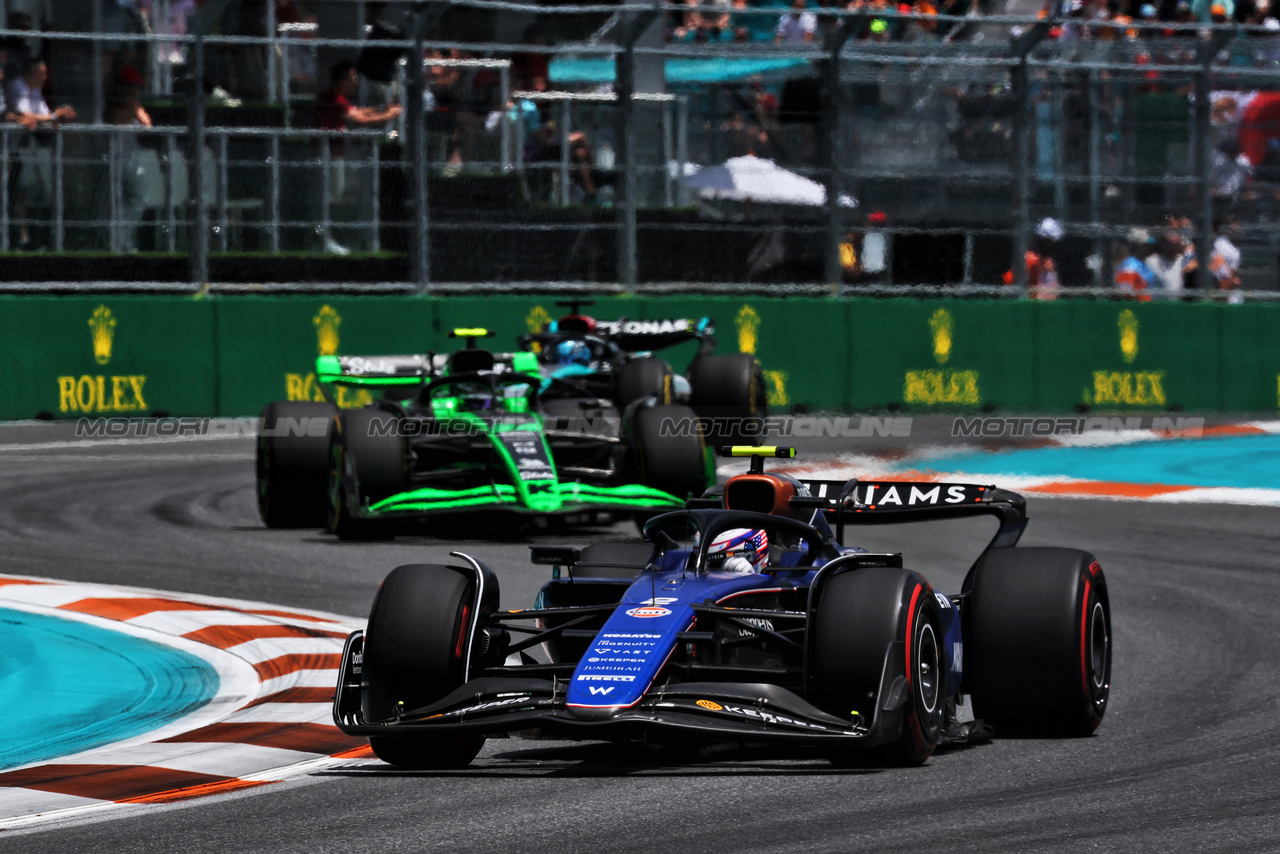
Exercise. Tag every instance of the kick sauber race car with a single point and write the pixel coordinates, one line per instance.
(466, 433)
(742, 618)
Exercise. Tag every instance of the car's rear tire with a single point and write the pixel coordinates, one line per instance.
(728, 386)
(671, 459)
(292, 464)
(367, 452)
(414, 655)
(1037, 633)
(641, 378)
(860, 614)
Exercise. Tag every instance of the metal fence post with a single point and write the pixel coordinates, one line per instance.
(830, 146)
(198, 238)
(416, 133)
(1203, 109)
(1021, 48)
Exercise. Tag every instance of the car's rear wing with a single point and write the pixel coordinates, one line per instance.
(374, 370)
(639, 335)
(881, 502)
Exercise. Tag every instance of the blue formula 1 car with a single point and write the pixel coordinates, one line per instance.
(742, 618)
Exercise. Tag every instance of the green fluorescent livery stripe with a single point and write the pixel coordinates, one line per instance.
(569, 497)
(342, 379)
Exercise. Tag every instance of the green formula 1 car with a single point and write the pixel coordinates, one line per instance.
(466, 432)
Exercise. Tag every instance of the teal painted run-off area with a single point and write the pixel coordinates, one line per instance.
(1232, 461)
(68, 686)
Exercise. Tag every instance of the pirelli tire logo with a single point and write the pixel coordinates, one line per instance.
(95, 393)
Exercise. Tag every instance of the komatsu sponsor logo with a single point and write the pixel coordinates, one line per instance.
(630, 635)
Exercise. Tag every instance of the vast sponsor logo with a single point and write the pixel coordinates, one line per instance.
(987, 428)
(936, 386)
(799, 427)
(99, 393)
(649, 612)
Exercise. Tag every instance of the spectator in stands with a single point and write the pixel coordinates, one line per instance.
(700, 27)
(797, 26)
(1171, 263)
(1042, 269)
(1224, 262)
(582, 183)
(33, 183)
(1132, 276)
(125, 109)
(300, 67)
(335, 112)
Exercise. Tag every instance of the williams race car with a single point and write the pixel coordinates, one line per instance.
(742, 618)
(465, 433)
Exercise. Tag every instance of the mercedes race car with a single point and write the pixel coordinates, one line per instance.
(466, 433)
(741, 618)
(589, 359)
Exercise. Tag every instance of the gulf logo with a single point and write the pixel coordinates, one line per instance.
(649, 611)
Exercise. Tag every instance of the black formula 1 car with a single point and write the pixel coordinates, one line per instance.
(741, 618)
(587, 358)
(470, 433)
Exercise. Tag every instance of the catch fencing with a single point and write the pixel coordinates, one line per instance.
(899, 154)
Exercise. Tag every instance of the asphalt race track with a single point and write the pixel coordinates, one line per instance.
(1188, 757)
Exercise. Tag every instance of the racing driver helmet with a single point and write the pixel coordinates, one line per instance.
(573, 352)
(739, 550)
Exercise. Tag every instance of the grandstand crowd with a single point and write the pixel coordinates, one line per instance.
(464, 105)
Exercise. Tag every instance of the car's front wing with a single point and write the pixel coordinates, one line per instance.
(732, 711)
(561, 498)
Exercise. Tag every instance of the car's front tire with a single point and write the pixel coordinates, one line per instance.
(368, 461)
(862, 616)
(414, 654)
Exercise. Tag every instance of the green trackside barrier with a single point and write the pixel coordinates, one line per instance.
(267, 346)
(229, 355)
(1250, 357)
(120, 356)
(1114, 356)
(948, 355)
(798, 341)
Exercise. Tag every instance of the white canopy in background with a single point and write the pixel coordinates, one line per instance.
(758, 180)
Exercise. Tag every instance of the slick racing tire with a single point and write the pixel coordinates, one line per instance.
(368, 458)
(1037, 636)
(674, 463)
(414, 653)
(641, 378)
(292, 464)
(861, 616)
(728, 386)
